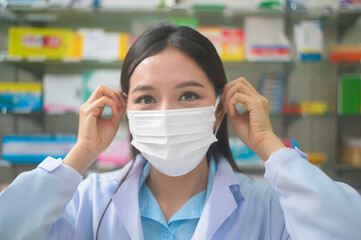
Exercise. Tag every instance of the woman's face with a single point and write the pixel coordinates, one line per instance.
(169, 80)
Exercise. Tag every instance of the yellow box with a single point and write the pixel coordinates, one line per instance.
(21, 87)
(123, 45)
(229, 42)
(233, 44)
(314, 107)
(48, 43)
(77, 46)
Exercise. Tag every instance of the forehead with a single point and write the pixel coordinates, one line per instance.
(168, 68)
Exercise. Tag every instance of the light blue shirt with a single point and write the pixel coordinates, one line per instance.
(184, 222)
(297, 201)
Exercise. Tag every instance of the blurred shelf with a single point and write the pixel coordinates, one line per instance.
(300, 115)
(350, 116)
(44, 12)
(4, 164)
(101, 63)
(272, 115)
(347, 168)
(328, 115)
(40, 60)
(37, 113)
(256, 168)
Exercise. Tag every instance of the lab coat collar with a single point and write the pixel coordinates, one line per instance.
(126, 199)
(226, 195)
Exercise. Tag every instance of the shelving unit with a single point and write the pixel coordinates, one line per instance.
(305, 80)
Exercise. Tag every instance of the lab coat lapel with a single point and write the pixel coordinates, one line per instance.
(220, 204)
(126, 201)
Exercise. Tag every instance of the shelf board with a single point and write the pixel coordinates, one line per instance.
(40, 60)
(300, 115)
(4, 163)
(347, 168)
(34, 61)
(63, 12)
(327, 115)
(350, 116)
(37, 113)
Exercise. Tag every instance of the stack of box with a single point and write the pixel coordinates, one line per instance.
(272, 89)
(96, 44)
(65, 44)
(66, 92)
(350, 95)
(35, 148)
(26, 2)
(313, 107)
(62, 93)
(345, 53)
(129, 3)
(350, 151)
(40, 43)
(309, 40)
(228, 41)
(20, 96)
(265, 39)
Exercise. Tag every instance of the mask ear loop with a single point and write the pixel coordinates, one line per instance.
(218, 99)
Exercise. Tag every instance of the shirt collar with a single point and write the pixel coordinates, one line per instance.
(191, 209)
(211, 172)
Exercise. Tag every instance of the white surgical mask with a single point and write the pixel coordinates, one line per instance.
(174, 141)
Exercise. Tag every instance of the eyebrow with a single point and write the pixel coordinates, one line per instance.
(142, 88)
(181, 85)
(189, 84)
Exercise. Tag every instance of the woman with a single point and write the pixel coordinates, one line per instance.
(183, 183)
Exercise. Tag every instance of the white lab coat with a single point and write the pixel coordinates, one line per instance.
(298, 201)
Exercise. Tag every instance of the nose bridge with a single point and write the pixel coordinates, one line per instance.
(167, 99)
(166, 103)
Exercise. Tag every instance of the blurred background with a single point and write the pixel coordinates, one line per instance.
(303, 55)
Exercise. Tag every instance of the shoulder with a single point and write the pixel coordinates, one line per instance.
(100, 184)
(255, 189)
(260, 199)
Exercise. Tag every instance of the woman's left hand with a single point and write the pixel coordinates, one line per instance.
(253, 127)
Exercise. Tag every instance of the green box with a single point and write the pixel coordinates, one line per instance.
(350, 94)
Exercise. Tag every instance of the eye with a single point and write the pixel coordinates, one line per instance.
(189, 96)
(145, 100)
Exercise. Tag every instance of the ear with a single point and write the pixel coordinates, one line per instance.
(220, 112)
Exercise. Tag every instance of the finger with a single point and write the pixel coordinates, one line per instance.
(229, 86)
(231, 83)
(102, 90)
(117, 96)
(248, 84)
(123, 98)
(235, 99)
(239, 87)
(98, 106)
(243, 81)
(115, 119)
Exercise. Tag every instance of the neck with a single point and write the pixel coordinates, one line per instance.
(172, 193)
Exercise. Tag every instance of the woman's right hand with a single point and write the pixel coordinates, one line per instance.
(95, 132)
